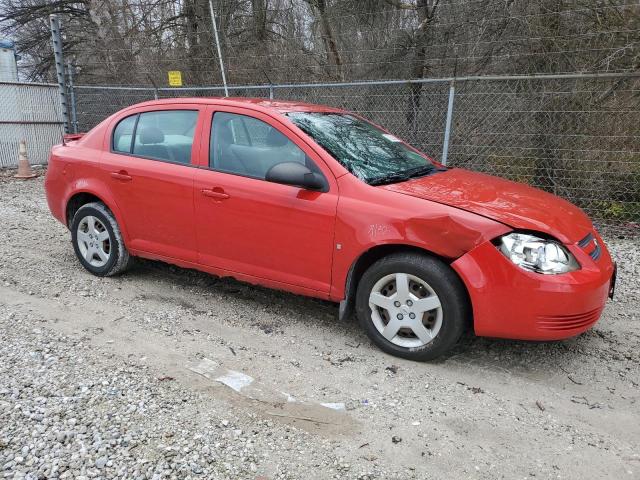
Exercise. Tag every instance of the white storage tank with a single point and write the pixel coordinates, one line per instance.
(8, 66)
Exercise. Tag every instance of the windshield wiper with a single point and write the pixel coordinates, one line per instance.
(391, 178)
(420, 171)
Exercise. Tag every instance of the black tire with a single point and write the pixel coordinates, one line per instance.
(442, 280)
(119, 259)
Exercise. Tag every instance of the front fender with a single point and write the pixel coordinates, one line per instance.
(369, 218)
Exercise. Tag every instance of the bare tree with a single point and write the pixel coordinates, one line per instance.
(132, 41)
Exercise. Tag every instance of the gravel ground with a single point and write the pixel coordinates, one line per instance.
(97, 380)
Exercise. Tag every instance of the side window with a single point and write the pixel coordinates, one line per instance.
(247, 146)
(123, 134)
(166, 135)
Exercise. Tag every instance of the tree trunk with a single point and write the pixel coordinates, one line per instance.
(259, 9)
(547, 159)
(419, 67)
(329, 40)
(199, 39)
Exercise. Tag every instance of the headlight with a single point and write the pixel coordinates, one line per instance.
(537, 254)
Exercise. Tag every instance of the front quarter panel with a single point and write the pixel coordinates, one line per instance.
(368, 217)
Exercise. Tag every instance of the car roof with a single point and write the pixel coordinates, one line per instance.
(280, 106)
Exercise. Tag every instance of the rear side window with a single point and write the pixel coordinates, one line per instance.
(123, 134)
(163, 135)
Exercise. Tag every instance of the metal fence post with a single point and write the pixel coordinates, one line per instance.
(215, 33)
(447, 129)
(270, 92)
(56, 38)
(72, 98)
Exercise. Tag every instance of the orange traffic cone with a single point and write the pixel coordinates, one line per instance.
(24, 169)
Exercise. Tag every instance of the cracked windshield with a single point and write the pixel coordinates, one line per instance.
(368, 152)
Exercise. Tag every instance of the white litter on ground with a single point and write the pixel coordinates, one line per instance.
(290, 398)
(207, 368)
(235, 380)
(238, 381)
(334, 406)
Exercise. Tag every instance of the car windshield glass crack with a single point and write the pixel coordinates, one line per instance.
(368, 152)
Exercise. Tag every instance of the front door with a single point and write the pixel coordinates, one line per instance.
(253, 227)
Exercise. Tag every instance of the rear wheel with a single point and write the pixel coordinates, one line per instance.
(97, 241)
(412, 306)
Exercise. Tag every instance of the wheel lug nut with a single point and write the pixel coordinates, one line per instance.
(397, 304)
(412, 316)
(409, 303)
(400, 317)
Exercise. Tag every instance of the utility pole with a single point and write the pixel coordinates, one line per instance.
(215, 33)
(56, 38)
(72, 97)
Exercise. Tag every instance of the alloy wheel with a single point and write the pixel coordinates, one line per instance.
(405, 310)
(94, 241)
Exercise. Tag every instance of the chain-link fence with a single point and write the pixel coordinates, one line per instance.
(576, 136)
(30, 112)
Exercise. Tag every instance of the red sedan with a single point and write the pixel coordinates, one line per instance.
(320, 202)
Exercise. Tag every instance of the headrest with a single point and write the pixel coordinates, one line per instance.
(223, 133)
(150, 135)
(276, 139)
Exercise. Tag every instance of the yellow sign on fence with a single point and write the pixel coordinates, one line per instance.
(175, 78)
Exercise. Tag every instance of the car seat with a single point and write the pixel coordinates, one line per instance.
(225, 158)
(151, 144)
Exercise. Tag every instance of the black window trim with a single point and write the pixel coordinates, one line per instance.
(133, 137)
(133, 134)
(253, 177)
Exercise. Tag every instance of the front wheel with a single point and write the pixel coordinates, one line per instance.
(98, 242)
(412, 306)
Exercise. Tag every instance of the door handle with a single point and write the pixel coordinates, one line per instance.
(121, 175)
(218, 195)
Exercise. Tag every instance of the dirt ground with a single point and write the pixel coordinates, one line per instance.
(116, 378)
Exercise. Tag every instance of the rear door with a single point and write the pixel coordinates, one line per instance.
(249, 226)
(148, 166)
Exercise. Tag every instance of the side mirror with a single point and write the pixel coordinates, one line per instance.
(296, 174)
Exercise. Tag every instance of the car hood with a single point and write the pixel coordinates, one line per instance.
(514, 204)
